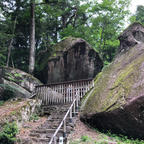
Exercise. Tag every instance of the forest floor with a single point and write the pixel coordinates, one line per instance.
(83, 134)
(10, 106)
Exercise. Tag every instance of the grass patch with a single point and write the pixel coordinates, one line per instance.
(106, 138)
(121, 139)
(34, 117)
(85, 138)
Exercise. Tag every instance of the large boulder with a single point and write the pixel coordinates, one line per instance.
(117, 100)
(133, 35)
(21, 83)
(73, 59)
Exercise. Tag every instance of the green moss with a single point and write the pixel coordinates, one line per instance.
(123, 84)
(100, 84)
(97, 77)
(13, 112)
(114, 85)
(56, 51)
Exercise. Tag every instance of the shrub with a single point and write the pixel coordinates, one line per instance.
(8, 134)
(34, 117)
(1, 103)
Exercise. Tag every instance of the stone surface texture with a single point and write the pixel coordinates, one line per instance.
(19, 111)
(73, 59)
(22, 83)
(116, 103)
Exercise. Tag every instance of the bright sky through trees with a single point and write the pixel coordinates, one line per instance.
(134, 4)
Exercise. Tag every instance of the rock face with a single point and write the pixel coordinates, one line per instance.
(133, 35)
(117, 101)
(22, 83)
(19, 111)
(73, 59)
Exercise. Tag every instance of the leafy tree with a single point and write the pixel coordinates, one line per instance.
(139, 15)
(4, 37)
(12, 10)
(97, 22)
(101, 24)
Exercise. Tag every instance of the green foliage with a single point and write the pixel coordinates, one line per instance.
(107, 138)
(10, 76)
(102, 24)
(34, 117)
(16, 77)
(124, 139)
(1, 102)
(106, 26)
(4, 38)
(85, 138)
(97, 22)
(8, 134)
(138, 16)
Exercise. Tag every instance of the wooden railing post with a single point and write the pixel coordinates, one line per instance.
(70, 116)
(77, 102)
(92, 83)
(74, 108)
(64, 128)
(55, 142)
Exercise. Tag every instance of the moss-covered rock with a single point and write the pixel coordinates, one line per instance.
(117, 100)
(72, 59)
(19, 110)
(21, 83)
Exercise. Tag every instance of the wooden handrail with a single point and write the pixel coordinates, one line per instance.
(32, 95)
(60, 125)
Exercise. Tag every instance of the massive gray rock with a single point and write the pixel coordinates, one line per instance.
(73, 59)
(21, 83)
(116, 102)
(133, 35)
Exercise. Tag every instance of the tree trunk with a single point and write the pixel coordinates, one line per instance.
(32, 38)
(11, 42)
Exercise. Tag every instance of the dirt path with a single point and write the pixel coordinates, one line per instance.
(82, 134)
(10, 106)
(82, 130)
